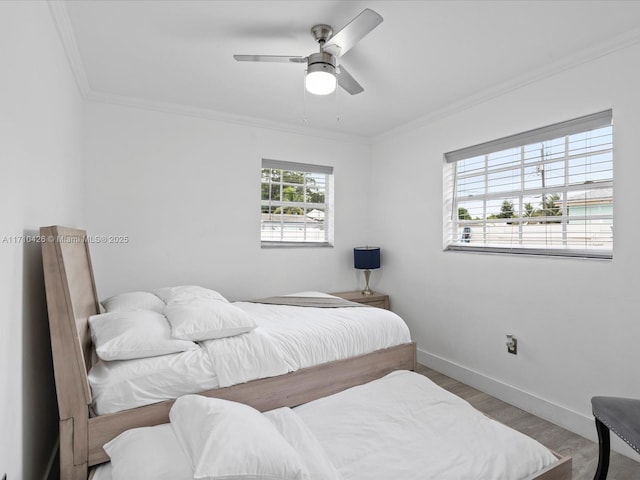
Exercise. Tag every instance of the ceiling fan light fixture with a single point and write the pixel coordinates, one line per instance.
(320, 83)
(321, 79)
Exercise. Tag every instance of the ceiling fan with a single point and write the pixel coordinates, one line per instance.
(322, 73)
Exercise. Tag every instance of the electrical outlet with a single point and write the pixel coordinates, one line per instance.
(512, 344)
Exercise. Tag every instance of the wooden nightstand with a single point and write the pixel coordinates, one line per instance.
(376, 299)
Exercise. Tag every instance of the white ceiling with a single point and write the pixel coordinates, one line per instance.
(425, 59)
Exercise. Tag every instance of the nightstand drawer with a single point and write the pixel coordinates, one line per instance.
(378, 303)
(380, 300)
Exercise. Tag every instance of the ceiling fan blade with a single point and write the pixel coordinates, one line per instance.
(269, 58)
(346, 81)
(353, 32)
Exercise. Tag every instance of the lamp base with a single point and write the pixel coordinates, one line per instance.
(367, 290)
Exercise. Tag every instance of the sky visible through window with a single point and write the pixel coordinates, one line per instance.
(579, 159)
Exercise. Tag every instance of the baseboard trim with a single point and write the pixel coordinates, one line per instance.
(564, 417)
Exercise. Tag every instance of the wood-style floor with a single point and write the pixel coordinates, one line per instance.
(584, 452)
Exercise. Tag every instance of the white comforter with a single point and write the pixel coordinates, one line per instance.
(286, 338)
(402, 426)
(289, 338)
(416, 430)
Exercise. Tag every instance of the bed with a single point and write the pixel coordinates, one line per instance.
(161, 344)
(401, 426)
(72, 299)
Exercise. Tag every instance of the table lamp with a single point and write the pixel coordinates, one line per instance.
(367, 259)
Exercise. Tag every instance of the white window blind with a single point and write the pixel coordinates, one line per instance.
(296, 204)
(548, 191)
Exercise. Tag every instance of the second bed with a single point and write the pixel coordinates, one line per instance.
(402, 426)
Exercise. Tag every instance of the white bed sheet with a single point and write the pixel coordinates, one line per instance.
(311, 336)
(403, 426)
(298, 435)
(286, 338)
(124, 384)
(415, 430)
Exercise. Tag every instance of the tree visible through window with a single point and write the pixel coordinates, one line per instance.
(547, 191)
(295, 203)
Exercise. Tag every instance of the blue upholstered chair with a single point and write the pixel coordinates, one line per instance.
(622, 417)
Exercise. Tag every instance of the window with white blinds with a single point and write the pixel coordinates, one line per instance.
(544, 192)
(296, 207)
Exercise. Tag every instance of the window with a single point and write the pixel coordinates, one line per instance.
(546, 192)
(296, 204)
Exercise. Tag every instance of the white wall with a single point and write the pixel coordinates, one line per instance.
(186, 191)
(576, 320)
(41, 184)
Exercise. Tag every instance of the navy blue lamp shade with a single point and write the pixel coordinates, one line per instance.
(367, 259)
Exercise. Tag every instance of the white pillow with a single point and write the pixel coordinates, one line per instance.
(103, 471)
(300, 437)
(204, 319)
(186, 293)
(231, 441)
(148, 453)
(137, 334)
(128, 302)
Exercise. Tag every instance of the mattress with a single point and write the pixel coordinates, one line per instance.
(286, 339)
(400, 426)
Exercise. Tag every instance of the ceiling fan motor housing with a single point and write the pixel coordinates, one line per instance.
(321, 32)
(321, 61)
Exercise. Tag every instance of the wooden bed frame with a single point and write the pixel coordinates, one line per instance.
(72, 298)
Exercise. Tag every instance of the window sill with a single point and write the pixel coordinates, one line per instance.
(295, 244)
(532, 252)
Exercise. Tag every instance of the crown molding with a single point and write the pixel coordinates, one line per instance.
(583, 56)
(245, 121)
(60, 15)
(61, 19)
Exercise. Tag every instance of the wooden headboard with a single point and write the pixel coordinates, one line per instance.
(71, 299)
